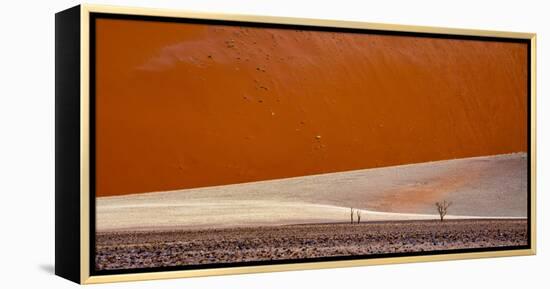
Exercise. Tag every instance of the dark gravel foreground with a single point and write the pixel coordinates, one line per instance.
(140, 249)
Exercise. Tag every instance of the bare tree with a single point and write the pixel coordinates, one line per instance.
(442, 208)
(351, 215)
(358, 216)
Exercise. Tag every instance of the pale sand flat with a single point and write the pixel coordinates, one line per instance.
(480, 187)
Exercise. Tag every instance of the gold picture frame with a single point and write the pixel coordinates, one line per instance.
(73, 52)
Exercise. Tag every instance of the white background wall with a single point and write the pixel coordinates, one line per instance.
(27, 144)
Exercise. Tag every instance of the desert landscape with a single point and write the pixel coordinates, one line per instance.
(232, 143)
(309, 217)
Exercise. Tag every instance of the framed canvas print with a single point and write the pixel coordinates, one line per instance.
(193, 144)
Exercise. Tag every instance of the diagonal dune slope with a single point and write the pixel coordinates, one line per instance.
(491, 186)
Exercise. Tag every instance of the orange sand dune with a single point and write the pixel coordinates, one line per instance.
(188, 105)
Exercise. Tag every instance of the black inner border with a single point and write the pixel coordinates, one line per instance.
(92, 70)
